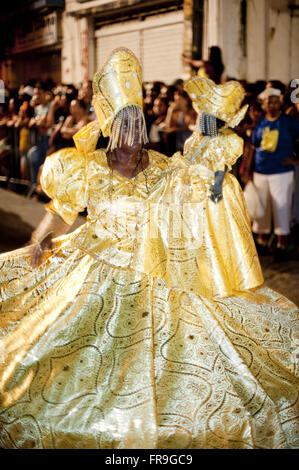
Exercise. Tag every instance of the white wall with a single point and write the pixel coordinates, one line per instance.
(78, 44)
(294, 58)
(257, 27)
(70, 67)
(273, 41)
(272, 38)
(233, 54)
(222, 27)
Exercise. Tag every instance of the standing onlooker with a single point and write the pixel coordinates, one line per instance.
(12, 134)
(25, 114)
(245, 166)
(212, 68)
(37, 153)
(293, 110)
(6, 164)
(274, 138)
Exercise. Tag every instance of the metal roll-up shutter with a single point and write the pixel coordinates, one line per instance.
(111, 37)
(162, 52)
(157, 42)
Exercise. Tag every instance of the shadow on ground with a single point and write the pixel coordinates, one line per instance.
(14, 231)
(283, 277)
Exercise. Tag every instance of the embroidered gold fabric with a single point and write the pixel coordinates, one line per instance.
(181, 233)
(116, 85)
(214, 152)
(128, 339)
(220, 101)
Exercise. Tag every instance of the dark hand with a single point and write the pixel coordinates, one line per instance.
(216, 197)
(216, 191)
(289, 161)
(246, 177)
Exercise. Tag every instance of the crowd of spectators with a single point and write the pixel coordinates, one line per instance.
(42, 117)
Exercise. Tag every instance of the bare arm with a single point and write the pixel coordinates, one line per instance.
(169, 117)
(248, 159)
(193, 62)
(51, 113)
(68, 130)
(50, 227)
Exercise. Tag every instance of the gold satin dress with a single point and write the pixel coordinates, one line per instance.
(147, 326)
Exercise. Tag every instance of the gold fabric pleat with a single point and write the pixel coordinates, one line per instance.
(145, 337)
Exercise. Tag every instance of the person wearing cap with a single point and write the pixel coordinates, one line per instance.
(130, 333)
(273, 138)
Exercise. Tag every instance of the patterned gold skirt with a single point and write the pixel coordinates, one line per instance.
(97, 357)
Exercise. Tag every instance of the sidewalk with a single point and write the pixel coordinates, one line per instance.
(19, 216)
(28, 210)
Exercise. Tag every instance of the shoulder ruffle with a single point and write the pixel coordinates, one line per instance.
(64, 180)
(215, 152)
(86, 138)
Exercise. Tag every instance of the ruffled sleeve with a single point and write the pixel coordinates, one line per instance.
(225, 149)
(64, 180)
(214, 152)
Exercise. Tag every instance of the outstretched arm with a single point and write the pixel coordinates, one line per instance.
(193, 62)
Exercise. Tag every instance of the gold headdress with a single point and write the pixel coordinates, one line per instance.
(220, 101)
(117, 87)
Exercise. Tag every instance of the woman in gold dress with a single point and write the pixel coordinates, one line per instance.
(146, 327)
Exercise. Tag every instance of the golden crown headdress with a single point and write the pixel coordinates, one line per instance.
(117, 85)
(220, 101)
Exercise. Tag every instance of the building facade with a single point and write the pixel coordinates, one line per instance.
(31, 39)
(69, 40)
(155, 31)
(259, 38)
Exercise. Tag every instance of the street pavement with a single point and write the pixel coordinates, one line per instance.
(19, 216)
